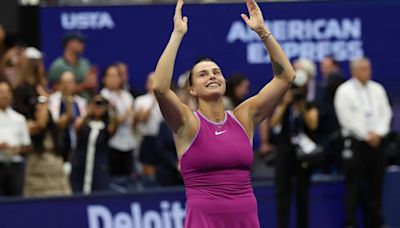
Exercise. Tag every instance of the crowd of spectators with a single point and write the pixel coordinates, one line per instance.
(70, 129)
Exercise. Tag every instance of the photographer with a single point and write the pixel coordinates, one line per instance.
(294, 120)
(90, 160)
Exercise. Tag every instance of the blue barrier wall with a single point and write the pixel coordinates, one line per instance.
(154, 209)
(166, 208)
(138, 34)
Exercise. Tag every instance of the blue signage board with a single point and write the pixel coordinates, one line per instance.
(138, 34)
(166, 208)
(153, 209)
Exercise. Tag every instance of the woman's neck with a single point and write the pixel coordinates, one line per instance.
(212, 110)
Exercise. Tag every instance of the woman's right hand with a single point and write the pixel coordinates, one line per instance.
(180, 23)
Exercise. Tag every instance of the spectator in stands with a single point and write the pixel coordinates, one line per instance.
(148, 121)
(30, 84)
(45, 175)
(14, 141)
(295, 121)
(183, 91)
(123, 70)
(166, 159)
(328, 132)
(72, 60)
(237, 88)
(90, 163)
(44, 170)
(11, 63)
(123, 143)
(364, 115)
(65, 106)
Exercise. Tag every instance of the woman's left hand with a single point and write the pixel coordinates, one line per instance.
(256, 20)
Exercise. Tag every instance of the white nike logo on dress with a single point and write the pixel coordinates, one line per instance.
(220, 132)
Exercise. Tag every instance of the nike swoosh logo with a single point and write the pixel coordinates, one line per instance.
(220, 132)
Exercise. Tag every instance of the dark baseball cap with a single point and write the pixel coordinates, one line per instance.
(73, 35)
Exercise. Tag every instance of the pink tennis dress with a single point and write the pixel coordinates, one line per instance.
(216, 173)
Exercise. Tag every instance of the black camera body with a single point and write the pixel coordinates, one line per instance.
(38, 100)
(298, 94)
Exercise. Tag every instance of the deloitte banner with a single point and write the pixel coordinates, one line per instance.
(166, 209)
(138, 34)
(153, 209)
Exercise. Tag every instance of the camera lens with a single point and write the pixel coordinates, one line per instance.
(42, 99)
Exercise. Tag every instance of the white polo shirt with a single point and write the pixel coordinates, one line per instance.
(13, 131)
(362, 108)
(151, 127)
(123, 139)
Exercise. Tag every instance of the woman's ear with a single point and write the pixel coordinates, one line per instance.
(192, 92)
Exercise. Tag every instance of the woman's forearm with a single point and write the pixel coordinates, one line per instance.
(165, 66)
(280, 63)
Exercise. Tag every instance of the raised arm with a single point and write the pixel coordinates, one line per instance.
(257, 108)
(174, 111)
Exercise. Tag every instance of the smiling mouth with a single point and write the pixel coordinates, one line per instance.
(213, 85)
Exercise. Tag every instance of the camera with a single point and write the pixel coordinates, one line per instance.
(100, 102)
(38, 100)
(298, 94)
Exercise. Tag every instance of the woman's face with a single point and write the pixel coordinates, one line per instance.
(207, 80)
(112, 79)
(242, 89)
(100, 108)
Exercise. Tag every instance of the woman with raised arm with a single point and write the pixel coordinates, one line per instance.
(214, 146)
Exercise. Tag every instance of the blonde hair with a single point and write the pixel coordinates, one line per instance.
(31, 73)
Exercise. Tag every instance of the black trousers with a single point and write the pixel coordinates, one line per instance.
(121, 162)
(11, 178)
(364, 172)
(288, 172)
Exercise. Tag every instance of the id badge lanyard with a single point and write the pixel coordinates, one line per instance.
(365, 100)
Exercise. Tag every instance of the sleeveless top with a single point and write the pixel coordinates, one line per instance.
(217, 163)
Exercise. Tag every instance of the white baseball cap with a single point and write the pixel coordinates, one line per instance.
(33, 53)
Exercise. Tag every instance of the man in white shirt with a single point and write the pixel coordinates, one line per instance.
(364, 115)
(14, 140)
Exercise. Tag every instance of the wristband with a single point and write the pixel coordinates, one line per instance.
(265, 37)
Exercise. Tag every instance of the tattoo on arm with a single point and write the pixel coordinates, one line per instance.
(277, 67)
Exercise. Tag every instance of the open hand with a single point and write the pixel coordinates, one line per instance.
(180, 23)
(256, 20)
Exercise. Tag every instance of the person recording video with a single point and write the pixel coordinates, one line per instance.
(294, 121)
